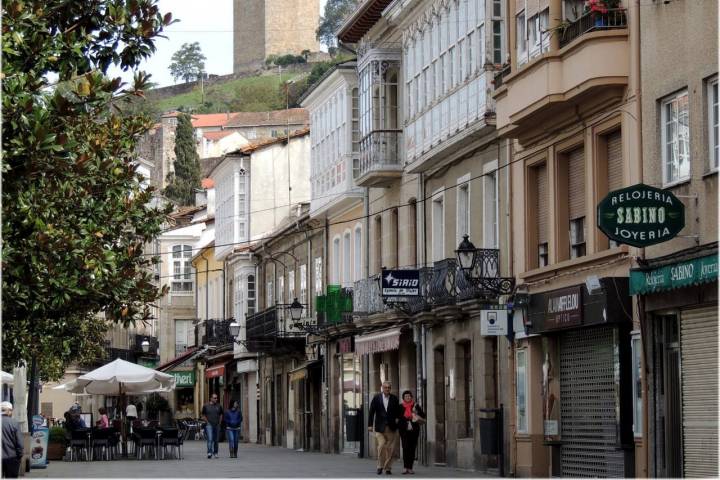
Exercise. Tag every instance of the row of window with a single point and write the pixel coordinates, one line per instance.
(347, 257)
(273, 297)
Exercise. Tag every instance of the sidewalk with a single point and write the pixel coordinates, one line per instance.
(254, 461)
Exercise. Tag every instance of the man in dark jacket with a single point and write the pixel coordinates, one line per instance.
(212, 413)
(12, 443)
(383, 420)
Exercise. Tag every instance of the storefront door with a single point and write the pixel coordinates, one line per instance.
(588, 415)
(351, 398)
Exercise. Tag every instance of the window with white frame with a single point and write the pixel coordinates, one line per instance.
(438, 227)
(336, 259)
(239, 299)
(463, 208)
(184, 335)
(251, 295)
(318, 276)
(521, 392)
(521, 37)
(538, 38)
(712, 96)
(281, 290)
(269, 295)
(291, 285)
(303, 284)
(497, 26)
(357, 251)
(675, 138)
(182, 279)
(490, 207)
(347, 258)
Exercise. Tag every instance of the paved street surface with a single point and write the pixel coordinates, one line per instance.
(254, 461)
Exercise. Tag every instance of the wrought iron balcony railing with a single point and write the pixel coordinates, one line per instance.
(592, 21)
(379, 150)
(217, 332)
(366, 296)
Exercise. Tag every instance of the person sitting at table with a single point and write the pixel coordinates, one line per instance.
(104, 422)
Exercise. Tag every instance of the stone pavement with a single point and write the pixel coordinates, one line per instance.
(254, 461)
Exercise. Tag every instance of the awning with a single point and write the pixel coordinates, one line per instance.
(183, 357)
(377, 342)
(676, 275)
(301, 372)
(245, 366)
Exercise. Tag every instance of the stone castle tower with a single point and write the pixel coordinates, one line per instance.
(272, 27)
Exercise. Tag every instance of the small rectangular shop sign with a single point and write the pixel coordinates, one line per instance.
(400, 283)
(550, 427)
(677, 275)
(493, 322)
(184, 379)
(563, 308)
(215, 372)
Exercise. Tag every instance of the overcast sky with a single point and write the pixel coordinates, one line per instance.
(209, 23)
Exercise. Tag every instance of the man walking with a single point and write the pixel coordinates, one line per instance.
(383, 419)
(212, 413)
(12, 443)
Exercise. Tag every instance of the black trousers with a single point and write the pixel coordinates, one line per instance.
(10, 467)
(409, 439)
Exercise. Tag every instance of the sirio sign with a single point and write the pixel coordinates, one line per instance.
(640, 215)
(400, 283)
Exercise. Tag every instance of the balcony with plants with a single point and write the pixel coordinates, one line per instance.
(563, 67)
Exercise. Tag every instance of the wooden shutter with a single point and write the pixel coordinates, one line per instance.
(699, 350)
(576, 183)
(542, 203)
(614, 161)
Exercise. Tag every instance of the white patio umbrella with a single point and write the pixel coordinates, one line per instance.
(6, 377)
(120, 377)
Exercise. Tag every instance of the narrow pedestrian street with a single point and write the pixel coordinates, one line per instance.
(254, 461)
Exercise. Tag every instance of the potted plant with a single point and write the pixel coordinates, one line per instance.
(599, 10)
(57, 443)
(156, 404)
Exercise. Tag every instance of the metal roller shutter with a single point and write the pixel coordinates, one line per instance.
(699, 356)
(542, 203)
(614, 159)
(576, 183)
(587, 405)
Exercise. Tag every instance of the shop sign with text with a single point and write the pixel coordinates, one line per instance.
(640, 215)
(563, 308)
(184, 379)
(400, 283)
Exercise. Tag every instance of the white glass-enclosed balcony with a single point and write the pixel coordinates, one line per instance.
(380, 131)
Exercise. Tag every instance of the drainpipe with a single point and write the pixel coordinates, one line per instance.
(422, 364)
(224, 294)
(207, 289)
(366, 212)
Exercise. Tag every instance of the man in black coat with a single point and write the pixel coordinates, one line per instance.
(383, 420)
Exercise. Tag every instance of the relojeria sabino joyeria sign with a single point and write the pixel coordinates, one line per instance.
(641, 215)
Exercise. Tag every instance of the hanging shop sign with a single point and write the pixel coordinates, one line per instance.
(400, 283)
(676, 275)
(184, 379)
(345, 345)
(493, 322)
(214, 372)
(640, 215)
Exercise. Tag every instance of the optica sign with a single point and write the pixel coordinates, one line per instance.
(641, 215)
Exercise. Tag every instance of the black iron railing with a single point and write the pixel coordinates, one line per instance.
(217, 332)
(592, 21)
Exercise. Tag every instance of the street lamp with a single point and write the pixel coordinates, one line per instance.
(466, 253)
(234, 329)
(296, 309)
(145, 346)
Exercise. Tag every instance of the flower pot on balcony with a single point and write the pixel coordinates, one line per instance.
(600, 21)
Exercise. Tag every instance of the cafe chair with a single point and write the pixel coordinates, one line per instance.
(100, 443)
(80, 444)
(145, 439)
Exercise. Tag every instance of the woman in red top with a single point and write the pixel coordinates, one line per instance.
(411, 418)
(104, 422)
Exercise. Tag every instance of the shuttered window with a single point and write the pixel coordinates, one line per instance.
(541, 209)
(576, 184)
(699, 351)
(614, 161)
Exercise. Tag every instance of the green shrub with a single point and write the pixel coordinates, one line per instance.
(57, 435)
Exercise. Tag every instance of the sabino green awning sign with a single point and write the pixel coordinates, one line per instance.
(641, 215)
(677, 275)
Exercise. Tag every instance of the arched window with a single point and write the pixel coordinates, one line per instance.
(347, 267)
(358, 253)
(336, 261)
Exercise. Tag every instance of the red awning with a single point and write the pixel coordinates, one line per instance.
(213, 372)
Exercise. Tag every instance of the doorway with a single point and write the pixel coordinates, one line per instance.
(668, 397)
(350, 401)
(440, 435)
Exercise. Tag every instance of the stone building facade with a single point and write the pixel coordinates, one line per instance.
(272, 27)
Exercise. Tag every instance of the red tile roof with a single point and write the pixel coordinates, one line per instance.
(202, 120)
(215, 136)
(271, 141)
(207, 183)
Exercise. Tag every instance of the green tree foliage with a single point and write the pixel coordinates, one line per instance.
(188, 62)
(336, 11)
(75, 217)
(186, 179)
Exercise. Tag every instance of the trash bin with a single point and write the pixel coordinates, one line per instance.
(353, 429)
(489, 436)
